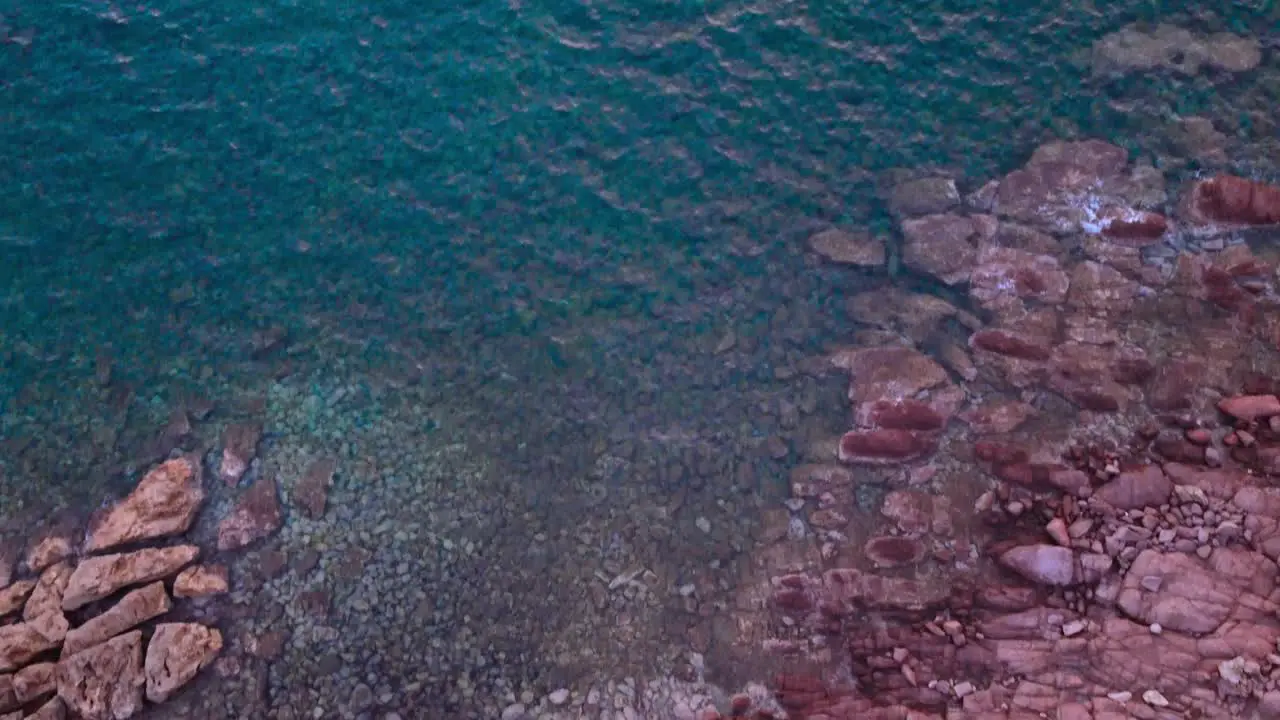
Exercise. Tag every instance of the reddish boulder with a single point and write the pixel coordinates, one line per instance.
(1232, 200)
(888, 373)
(890, 551)
(256, 515)
(1003, 342)
(1250, 407)
(1064, 184)
(132, 610)
(902, 415)
(1132, 228)
(201, 581)
(883, 446)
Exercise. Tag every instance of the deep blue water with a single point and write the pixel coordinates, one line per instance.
(563, 134)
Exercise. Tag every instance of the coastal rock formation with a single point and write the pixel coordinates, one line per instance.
(1119, 443)
(78, 650)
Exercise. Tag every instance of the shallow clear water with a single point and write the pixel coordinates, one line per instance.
(503, 243)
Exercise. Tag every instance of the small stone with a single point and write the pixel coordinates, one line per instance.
(559, 697)
(312, 491)
(703, 524)
(1073, 628)
(1155, 699)
(1232, 670)
(963, 689)
(361, 698)
(1043, 564)
(1057, 529)
(1123, 696)
(1212, 457)
(201, 581)
(514, 711)
(1156, 628)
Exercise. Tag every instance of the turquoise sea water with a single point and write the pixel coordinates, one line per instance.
(523, 227)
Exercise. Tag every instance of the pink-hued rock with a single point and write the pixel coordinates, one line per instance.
(1133, 489)
(1041, 564)
(1130, 227)
(1101, 289)
(849, 247)
(104, 682)
(201, 581)
(1003, 274)
(239, 446)
(1086, 375)
(901, 415)
(132, 610)
(1177, 591)
(944, 246)
(35, 681)
(54, 709)
(53, 546)
(176, 653)
(888, 373)
(164, 503)
(998, 416)
(13, 597)
(1250, 407)
(256, 515)
(22, 642)
(882, 447)
(889, 551)
(47, 596)
(97, 577)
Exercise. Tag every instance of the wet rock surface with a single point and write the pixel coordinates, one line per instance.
(1121, 557)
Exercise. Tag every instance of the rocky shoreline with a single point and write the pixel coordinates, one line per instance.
(1078, 516)
(1053, 496)
(80, 640)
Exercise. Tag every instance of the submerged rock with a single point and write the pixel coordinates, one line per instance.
(164, 503)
